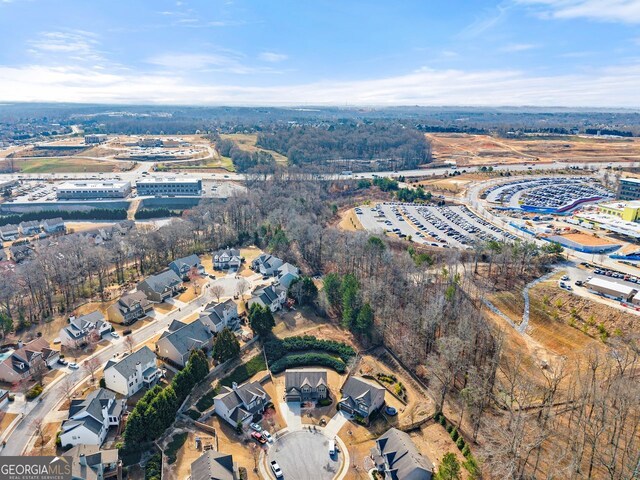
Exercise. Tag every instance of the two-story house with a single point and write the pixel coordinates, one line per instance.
(89, 462)
(212, 465)
(133, 372)
(129, 308)
(177, 343)
(361, 397)
(397, 457)
(90, 419)
(84, 329)
(266, 264)
(286, 274)
(9, 233)
(30, 227)
(272, 297)
(26, 360)
(305, 384)
(240, 403)
(53, 225)
(162, 286)
(227, 259)
(218, 316)
(185, 265)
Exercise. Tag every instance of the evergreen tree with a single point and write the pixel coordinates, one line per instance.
(449, 468)
(364, 321)
(332, 290)
(226, 346)
(261, 320)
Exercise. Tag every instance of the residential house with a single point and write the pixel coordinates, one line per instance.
(240, 403)
(19, 253)
(132, 372)
(30, 227)
(162, 286)
(305, 384)
(53, 225)
(361, 397)
(286, 274)
(272, 297)
(9, 233)
(397, 457)
(180, 339)
(212, 465)
(217, 316)
(226, 259)
(90, 419)
(27, 359)
(129, 308)
(85, 328)
(266, 264)
(3, 254)
(89, 462)
(184, 266)
(4, 397)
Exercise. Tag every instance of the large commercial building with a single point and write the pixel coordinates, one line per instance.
(615, 290)
(627, 211)
(78, 190)
(629, 189)
(169, 186)
(95, 138)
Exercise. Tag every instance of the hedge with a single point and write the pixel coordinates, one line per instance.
(174, 445)
(156, 213)
(153, 469)
(34, 392)
(276, 348)
(309, 359)
(245, 371)
(206, 401)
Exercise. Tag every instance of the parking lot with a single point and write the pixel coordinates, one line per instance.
(305, 454)
(437, 226)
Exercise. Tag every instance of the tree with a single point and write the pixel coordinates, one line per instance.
(129, 343)
(261, 320)
(332, 288)
(449, 468)
(364, 321)
(303, 290)
(40, 431)
(6, 324)
(91, 366)
(226, 346)
(350, 287)
(217, 292)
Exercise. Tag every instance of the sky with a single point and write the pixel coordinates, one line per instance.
(574, 53)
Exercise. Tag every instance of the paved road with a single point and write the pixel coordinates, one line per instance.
(21, 436)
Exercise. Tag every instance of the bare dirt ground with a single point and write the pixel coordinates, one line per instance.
(585, 239)
(349, 221)
(476, 150)
(433, 441)
(247, 142)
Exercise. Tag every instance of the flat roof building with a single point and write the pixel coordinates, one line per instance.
(95, 138)
(77, 190)
(169, 186)
(629, 189)
(627, 211)
(611, 289)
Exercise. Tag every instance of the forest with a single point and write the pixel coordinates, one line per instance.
(426, 306)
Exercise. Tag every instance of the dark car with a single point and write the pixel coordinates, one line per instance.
(62, 361)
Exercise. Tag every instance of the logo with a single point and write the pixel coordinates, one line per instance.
(35, 468)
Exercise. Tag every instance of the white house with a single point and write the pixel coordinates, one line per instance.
(53, 225)
(226, 259)
(90, 419)
(84, 329)
(271, 296)
(132, 373)
(9, 232)
(240, 403)
(220, 315)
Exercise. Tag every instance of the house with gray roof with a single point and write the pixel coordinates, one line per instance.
(218, 316)
(133, 372)
(180, 339)
(129, 308)
(90, 419)
(305, 384)
(30, 227)
(9, 233)
(286, 274)
(397, 457)
(90, 462)
(272, 296)
(83, 329)
(212, 465)
(26, 359)
(53, 225)
(361, 396)
(266, 265)
(228, 258)
(183, 266)
(240, 403)
(162, 286)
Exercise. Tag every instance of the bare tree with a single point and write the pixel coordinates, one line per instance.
(217, 291)
(91, 366)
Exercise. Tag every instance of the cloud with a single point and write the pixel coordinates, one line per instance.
(483, 24)
(272, 57)
(78, 45)
(518, 47)
(225, 61)
(609, 87)
(622, 11)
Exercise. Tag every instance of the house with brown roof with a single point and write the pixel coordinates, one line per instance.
(23, 361)
(129, 308)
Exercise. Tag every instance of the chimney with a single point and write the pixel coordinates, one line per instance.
(139, 369)
(234, 385)
(20, 344)
(83, 460)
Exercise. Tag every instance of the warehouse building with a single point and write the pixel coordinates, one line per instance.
(614, 290)
(169, 186)
(94, 190)
(95, 138)
(629, 189)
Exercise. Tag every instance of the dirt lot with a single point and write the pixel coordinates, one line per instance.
(585, 239)
(472, 150)
(433, 441)
(62, 165)
(247, 142)
(349, 221)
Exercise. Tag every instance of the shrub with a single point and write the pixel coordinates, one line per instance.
(308, 359)
(193, 414)
(245, 371)
(206, 401)
(471, 465)
(325, 402)
(34, 392)
(103, 383)
(449, 429)
(153, 469)
(277, 348)
(454, 434)
(460, 443)
(466, 451)
(174, 445)
(58, 440)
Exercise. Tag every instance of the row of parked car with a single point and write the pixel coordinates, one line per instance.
(493, 228)
(509, 190)
(558, 195)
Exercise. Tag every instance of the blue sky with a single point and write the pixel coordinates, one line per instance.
(279, 52)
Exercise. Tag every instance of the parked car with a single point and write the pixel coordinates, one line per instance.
(276, 469)
(62, 361)
(73, 366)
(256, 427)
(578, 283)
(257, 436)
(268, 436)
(114, 334)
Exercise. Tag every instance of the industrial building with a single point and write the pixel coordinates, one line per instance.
(94, 190)
(627, 211)
(614, 290)
(169, 186)
(95, 138)
(629, 189)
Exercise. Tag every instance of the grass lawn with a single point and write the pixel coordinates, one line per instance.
(247, 142)
(63, 165)
(245, 371)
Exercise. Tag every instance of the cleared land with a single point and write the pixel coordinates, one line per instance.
(588, 240)
(247, 142)
(61, 165)
(476, 150)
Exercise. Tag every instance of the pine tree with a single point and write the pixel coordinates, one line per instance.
(226, 346)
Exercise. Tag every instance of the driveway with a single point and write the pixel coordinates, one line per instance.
(335, 424)
(291, 414)
(304, 454)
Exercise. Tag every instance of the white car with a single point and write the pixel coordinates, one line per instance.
(268, 436)
(277, 471)
(114, 334)
(73, 366)
(255, 427)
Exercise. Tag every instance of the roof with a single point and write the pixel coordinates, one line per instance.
(127, 366)
(93, 185)
(94, 458)
(190, 261)
(267, 295)
(133, 298)
(162, 281)
(9, 228)
(212, 465)
(298, 378)
(29, 224)
(231, 252)
(402, 457)
(52, 221)
(631, 180)
(88, 412)
(242, 396)
(167, 180)
(614, 286)
(288, 268)
(268, 261)
(187, 337)
(215, 311)
(358, 388)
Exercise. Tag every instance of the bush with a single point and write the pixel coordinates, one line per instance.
(193, 414)
(449, 429)
(34, 392)
(308, 359)
(174, 445)
(95, 214)
(471, 465)
(156, 213)
(325, 402)
(103, 383)
(443, 420)
(461, 443)
(245, 371)
(466, 451)
(206, 401)
(58, 439)
(153, 469)
(276, 349)
(454, 434)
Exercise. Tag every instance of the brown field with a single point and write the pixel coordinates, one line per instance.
(63, 165)
(349, 221)
(585, 239)
(247, 142)
(472, 150)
